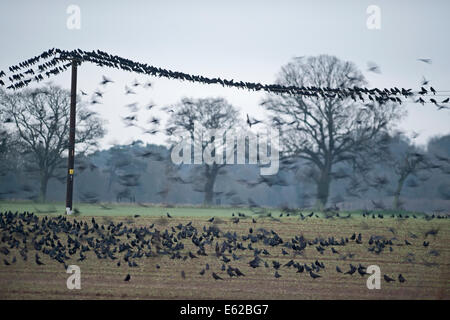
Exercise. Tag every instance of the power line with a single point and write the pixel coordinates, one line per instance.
(59, 64)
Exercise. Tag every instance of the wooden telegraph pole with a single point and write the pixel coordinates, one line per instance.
(71, 158)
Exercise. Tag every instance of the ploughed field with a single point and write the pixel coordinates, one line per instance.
(252, 257)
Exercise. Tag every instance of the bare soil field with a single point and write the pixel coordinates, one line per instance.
(425, 268)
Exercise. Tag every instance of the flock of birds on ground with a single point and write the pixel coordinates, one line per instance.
(59, 61)
(62, 240)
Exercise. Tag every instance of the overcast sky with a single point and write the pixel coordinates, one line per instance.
(241, 40)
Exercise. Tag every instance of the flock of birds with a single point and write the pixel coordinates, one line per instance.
(62, 240)
(59, 60)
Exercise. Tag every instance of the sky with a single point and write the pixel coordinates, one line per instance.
(240, 40)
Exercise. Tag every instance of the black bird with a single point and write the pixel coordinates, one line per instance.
(426, 244)
(400, 278)
(202, 272)
(105, 81)
(238, 272)
(277, 275)
(251, 123)
(216, 277)
(373, 67)
(211, 220)
(313, 275)
(6, 262)
(338, 269)
(38, 262)
(127, 278)
(427, 61)
(168, 215)
(361, 270)
(352, 270)
(388, 279)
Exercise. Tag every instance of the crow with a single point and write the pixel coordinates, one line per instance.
(38, 262)
(338, 269)
(388, 279)
(202, 272)
(168, 215)
(400, 278)
(216, 277)
(211, 220)
(427, 61)
(277, 275)
(105, 81)
(313, 275)
(238, 272)
(127, 278)
(352, 270)
(361, 270)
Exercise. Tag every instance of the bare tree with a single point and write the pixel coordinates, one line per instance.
(41, 118)
(330, 130)
(407, 161)
(196, 116)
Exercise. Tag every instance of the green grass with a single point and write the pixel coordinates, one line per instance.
(152, 210)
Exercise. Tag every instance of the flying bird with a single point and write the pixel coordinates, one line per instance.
(427, 61)
(373, 67)
(105, 81)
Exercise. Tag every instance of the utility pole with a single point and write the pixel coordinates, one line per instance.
(70, 161)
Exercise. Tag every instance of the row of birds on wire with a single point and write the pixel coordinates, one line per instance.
(60, 60)
(61, 240)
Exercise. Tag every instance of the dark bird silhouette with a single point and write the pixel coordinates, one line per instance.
(400, 278)
(338, 269)
(252, 123)
(425, 60)
(387, 278)
(277, 275)
(373, 67)
(127, 278)
(168, 215)
(314, 275)
(352, 270)
(38, 262)
(105, 81)
(216, 277)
